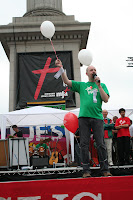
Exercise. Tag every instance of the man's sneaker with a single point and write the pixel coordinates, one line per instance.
(107, 174)
(111, 164)
(86, 175)
(73, 164)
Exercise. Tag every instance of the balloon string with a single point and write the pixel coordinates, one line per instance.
(54, 49)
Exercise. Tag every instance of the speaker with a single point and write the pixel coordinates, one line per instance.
(39, 162)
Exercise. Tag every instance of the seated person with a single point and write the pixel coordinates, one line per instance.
(17, 133)
(45, 147)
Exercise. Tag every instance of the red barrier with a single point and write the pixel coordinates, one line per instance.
(103, 188)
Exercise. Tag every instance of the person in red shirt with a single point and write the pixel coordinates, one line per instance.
(123, 138)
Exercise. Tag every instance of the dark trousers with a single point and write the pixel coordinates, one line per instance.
(123, 144)
(131, 148)
(85, 126)
(115, 152)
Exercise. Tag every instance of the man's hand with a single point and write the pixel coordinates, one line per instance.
(76, 136)
(119, 127)
(58, 63)
(97, 81)
(114, 131)
(124, 126)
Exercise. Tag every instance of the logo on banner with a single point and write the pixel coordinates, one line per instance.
(23, 198)
(62, 196)
(43, 73)
(78, 196)
(61, 94)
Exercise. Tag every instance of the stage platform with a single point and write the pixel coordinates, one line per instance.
(94, 188)
(66, 183)
(59, 173)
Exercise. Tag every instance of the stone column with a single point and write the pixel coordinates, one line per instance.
(35, 4)
(13, 78)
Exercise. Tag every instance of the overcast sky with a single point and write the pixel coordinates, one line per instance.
(110, 41)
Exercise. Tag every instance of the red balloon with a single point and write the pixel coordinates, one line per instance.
(71, 122)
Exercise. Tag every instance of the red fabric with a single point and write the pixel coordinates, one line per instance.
(123, 131)
(93, 152)
(106, 131)
(107, 188)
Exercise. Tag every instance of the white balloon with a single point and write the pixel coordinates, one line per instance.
(47, 29)
(85, 57)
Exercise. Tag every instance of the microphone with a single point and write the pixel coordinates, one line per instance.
(94, 76)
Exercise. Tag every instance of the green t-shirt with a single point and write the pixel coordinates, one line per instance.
(41, 145)
(90, 98)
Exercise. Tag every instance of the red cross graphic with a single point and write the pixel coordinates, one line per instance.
(66, 90)
(43, 73)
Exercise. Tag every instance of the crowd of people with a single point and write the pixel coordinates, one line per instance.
(118, 138)
(117, 134)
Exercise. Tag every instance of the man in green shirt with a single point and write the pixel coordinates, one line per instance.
(91, 94)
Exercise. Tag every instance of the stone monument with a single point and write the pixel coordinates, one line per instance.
(23, 35)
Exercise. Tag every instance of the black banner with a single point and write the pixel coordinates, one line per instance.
(36, 82)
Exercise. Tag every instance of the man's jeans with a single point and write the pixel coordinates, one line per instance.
(86, 125)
